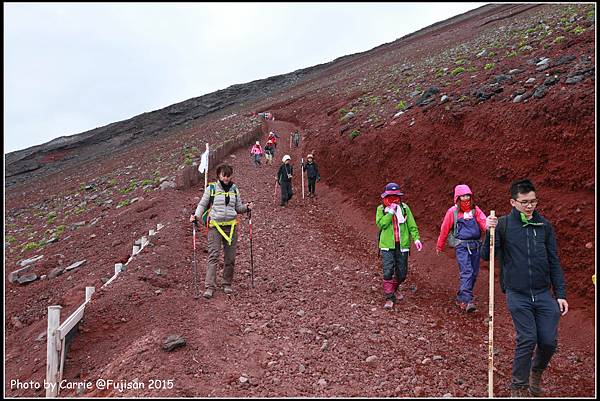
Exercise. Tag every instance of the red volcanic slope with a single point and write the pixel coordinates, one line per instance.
(313, 325)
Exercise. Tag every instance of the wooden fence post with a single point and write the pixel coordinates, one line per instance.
(52, 350)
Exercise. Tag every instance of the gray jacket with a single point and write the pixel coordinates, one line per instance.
(219, 211)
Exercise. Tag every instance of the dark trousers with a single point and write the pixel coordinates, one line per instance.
(312, 182)
(286, 192)
(395, 269)
(536, 324)
(468, 263)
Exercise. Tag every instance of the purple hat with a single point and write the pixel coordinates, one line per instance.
(391, 189)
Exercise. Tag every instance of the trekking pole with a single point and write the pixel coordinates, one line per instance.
(491, 315)
(302, 171)
(275, 193)
(251, 256)
(194, 265)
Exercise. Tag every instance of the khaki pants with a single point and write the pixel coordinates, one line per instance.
(215, 239)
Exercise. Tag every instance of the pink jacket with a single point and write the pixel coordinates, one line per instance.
(448, 223)
(256, 150)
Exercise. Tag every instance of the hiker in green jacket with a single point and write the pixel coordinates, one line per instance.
(396, 227)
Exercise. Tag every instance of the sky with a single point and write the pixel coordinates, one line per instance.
(73, 67)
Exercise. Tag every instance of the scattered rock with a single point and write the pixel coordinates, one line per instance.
(482, 53)
(167, 185)
(425, 361)
(540, 91)
(27, 278)
(348, 116)
(16, 322)
(75, 265)
(29, 261)
(574, 80)
(444, 99)
(530, 81)
(322, 382)
(515, 71)
(551, 80)
(371, 360)
(564, 60)
(426, 97)
(448, 395)
(589, 245)
(172, 342)
(243, 380)
(57, 271)
(300, 313)
(502, 78)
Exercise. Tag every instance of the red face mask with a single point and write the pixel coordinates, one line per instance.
(465, 205)
(388, 200)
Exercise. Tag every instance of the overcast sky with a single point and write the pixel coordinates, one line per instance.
(70, 67)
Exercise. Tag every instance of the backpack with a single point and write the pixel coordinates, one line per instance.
(453, 242)
(213, 189)
(403, 206)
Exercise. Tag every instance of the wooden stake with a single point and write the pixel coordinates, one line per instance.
(491, 315)
(52, 352)
(302, 172)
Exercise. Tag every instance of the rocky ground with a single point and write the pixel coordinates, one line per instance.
(313, 324)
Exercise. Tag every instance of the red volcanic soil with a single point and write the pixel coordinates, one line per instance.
(313, 324)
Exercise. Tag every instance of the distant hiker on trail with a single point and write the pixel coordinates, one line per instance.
(312, 172)
(465, 222)
(396, 227)
(256, 152)
(284, 179)
(223, 203)
(273, 138)
(269, 152)
(296, 138)
(529, 268)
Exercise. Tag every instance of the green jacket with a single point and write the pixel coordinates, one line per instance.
(408, 229)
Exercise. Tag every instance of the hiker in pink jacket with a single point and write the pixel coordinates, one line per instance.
(464, 223)
(256, 152)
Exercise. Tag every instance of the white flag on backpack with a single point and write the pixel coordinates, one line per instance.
(203, 167)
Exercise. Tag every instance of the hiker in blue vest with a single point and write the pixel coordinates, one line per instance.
(529, 269)
(222, 202)
(396, 227)
(464, 222)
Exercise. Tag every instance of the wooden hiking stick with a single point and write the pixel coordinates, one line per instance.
(302, 172)
(491, 315)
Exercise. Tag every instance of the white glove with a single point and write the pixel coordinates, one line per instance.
(418, 245)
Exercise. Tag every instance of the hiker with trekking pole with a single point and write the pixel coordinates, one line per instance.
(529, 269)
(218, 210)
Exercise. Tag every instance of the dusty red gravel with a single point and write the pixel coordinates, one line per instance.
(313, 325)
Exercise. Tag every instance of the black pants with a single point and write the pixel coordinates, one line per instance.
(286, 192)
(536, 324)
(312, 182)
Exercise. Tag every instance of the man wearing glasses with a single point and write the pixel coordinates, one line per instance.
(529, 268)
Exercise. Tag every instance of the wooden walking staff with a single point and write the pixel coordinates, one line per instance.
(302, 172)
(491, 315)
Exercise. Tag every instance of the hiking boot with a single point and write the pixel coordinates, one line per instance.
(389, 304)
(535, 383)
(470, 307)
(227, 289)
(520, 392)
(208, 293)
